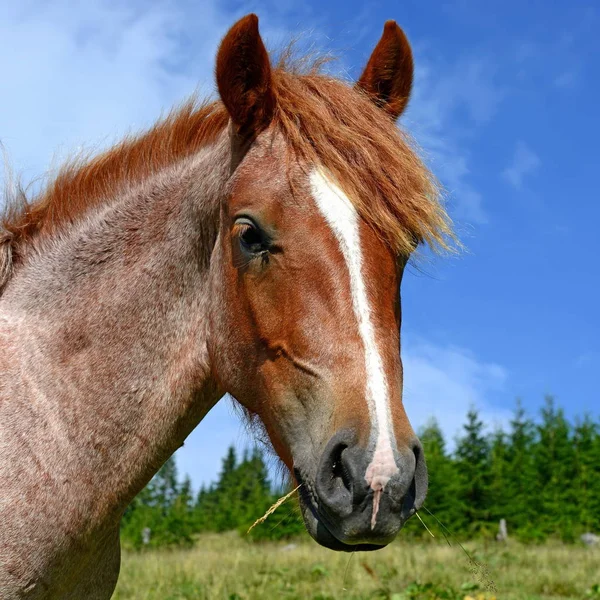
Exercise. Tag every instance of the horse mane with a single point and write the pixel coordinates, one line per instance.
(325, 121)
(338, 127)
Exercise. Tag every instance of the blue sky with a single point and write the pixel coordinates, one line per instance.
(504, 107)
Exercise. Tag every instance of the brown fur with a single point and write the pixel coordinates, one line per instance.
(388, 76)
(81, 185)
(244, 78)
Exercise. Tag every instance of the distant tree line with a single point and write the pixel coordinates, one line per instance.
(170, 515)
(542, 476)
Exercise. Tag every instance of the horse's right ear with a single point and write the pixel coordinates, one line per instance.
(244, 78)
(388, 76)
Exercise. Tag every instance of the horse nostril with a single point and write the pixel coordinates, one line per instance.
(339, 468)
(420, 481)
(417, 450)
(336, 479)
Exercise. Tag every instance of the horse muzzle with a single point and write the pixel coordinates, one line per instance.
(344, 511)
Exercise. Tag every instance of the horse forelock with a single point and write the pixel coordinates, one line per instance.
(335, 126)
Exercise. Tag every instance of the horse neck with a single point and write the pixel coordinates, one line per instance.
(105, 325)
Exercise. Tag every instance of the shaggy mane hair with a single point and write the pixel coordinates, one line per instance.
(325, 122)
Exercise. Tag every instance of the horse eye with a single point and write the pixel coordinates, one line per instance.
(251, 238)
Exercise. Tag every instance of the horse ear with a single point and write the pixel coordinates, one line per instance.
(243, 75)
(388, 76)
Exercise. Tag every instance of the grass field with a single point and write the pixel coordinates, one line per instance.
(227, 567)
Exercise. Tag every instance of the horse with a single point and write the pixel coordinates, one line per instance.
(252, 245)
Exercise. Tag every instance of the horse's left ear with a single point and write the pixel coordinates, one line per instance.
(388, 76)
(243, 75)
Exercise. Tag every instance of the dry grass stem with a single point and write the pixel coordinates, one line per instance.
(424, 525)
(272, 509)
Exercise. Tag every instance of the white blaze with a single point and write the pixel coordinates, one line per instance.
(343, 219)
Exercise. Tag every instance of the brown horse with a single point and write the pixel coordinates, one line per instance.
(253, 245)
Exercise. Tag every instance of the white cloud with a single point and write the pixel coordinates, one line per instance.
(587, 359)
(450, 104)
(80, 75)
(445, 381)
(525, 161)
(567, 79)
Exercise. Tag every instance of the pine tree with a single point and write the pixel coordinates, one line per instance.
(226, 518)
(586, 484)
(521, 489)
(555, 464)
(241, 495)
(164, 484)
(206, 509)
(229, 465)
(473, 460)
(500, 476)
(254, 489)
(178, 524)
(442, 497)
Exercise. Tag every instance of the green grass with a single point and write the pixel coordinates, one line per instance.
(228, 567)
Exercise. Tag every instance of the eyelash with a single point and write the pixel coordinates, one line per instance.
(258, 240)
(246, 229)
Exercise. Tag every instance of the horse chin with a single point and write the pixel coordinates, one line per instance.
(319, 531)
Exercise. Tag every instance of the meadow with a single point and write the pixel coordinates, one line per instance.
(226, 566)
